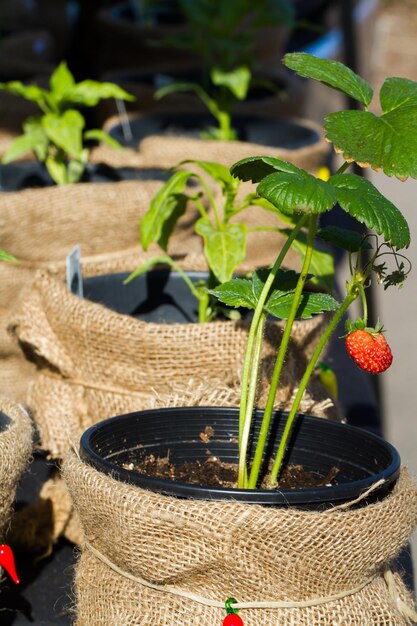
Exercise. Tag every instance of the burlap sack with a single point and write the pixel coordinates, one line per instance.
(95, 363)
(41, 226)
(222, 549)
(15, 451)
(168, 150)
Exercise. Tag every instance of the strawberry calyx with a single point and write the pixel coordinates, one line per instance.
(360, 324)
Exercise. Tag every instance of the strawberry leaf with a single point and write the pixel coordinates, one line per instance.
(256, 168)
(299, 192)
(358, 197)
(236, 293)
(344, 238)
(224, 248)
(388, 142)
(331, 73)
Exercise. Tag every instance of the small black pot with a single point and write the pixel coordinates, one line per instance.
(157, 296)
(281, 133)
(21, 175)
(319, 445)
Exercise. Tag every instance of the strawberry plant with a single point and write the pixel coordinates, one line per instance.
(387, 142)
(224, 239)
(57, 136)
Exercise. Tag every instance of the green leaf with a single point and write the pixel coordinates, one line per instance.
(219, 173)
(311, 304)
(20, 145)
(29, 92)
(171, 221)
(61, 81)
(148, 265)
(224, 248)
(90, 92)
(33, 128)
(75, 170)
(58, 170)
(297, 192)
(237, 81)
(6, 256)
(332, 73)
(358, 197)
(65, 131)
(344, 238)
(210, 103)
(163, 207)
(322, 263)
(101, 136)
(236, 293)
(258, 167)
(388, 142)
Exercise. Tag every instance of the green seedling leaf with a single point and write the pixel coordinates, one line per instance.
(322, 263)
(61, 81)
(237, 81)
(171, 221)
(65, 131)
(147, 266)
(224, 248)
(297, 193)
(29, 92)
(75, 170)
(21, 145)
(90, 92)
(163, 208)
(360, 198)
(33, 128)
(258, 167)
(57, 170)
(101, 136)
(388, 142)
(187, 87)
(236, 293)
(331, 73)
(349, 240)
(6, 256)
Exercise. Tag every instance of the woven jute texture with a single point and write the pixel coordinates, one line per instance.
(15, 451)
(95, 363)
(223, 549)
(41, 226)
(167, 151)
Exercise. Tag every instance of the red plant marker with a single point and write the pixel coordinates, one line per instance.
(7, 562)
(232, 618)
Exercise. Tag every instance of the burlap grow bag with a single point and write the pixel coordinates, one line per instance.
(95, 363)
(222, 549)
(41, 226)
(15, 451)
(169, 149)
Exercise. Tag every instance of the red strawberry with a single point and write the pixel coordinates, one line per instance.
(369, 349)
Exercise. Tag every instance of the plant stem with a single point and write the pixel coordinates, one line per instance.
(276, 375)
(243, 416)
(342, 168)
(351, 297)
(255, 363)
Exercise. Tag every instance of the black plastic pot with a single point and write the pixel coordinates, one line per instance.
(157, 296)
(320, 445)
(282, 133)
(30, 174)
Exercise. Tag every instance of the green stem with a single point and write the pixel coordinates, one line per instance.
(351, 297)
(364, 303)
(255, 363)
(203, 302)
(255, 321)
(343, 168)
(276, 375)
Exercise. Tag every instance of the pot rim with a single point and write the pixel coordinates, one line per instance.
(325, 496)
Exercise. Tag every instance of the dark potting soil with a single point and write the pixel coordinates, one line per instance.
(212, 472)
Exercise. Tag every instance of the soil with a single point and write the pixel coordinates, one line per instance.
(215, 473)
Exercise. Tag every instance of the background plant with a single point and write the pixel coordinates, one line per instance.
(224, 239)
(57, 136)
(386, 142)
(223, 35)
